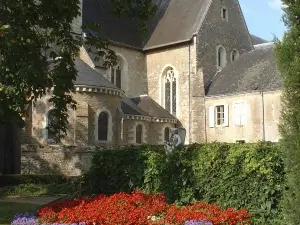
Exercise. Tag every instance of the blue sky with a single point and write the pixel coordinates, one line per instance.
(263, 17)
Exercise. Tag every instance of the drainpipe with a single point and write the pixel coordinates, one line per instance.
(263, 116)
(189, 63)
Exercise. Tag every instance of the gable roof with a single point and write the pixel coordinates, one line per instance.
(179, 23)
(175, 21)
(252, 71)
(87, 76)
(257, 40)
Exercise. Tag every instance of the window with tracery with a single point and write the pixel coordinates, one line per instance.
(170, 85)
(103, 126)
(116, 75)
(139, 134)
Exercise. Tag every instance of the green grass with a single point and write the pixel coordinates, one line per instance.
(31, 189)
(9, 209)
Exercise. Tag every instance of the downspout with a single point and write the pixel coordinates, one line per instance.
(263, 116)
(189, 63)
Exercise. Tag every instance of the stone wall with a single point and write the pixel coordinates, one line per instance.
(262, 118)
(182, 58)
(82, 122)
(65, 160)
(231, 34)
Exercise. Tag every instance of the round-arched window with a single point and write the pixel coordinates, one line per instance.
(103, 126)
(221, 57)
(234, 55)
(139, 134)
(167, 134)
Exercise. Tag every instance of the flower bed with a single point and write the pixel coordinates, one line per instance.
(136, 209)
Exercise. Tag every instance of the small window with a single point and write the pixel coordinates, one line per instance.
(234, 55)
(139, 134)
(167, 134)
(103, 126)
(220, 115)
(221, 57)
(240, 141)
(224, 13)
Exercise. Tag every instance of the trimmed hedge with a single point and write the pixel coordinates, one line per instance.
(249, 176)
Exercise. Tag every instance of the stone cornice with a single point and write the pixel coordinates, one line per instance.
(103, 90)
(150, 119)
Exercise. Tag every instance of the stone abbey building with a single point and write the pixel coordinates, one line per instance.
(198, 68)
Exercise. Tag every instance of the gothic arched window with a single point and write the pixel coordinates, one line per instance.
(167, 134)
(103, 126)
(51, 121)
(221, 57)
(170, 85)
(139, 134)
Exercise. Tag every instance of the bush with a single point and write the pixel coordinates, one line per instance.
(136, 209)
(249, 176)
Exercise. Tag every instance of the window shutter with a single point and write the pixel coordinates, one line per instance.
(211, 116)
(226, 115)
(244, 114)
(236, 115)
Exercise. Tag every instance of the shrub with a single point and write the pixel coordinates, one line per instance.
(249, 176)
(136, 209)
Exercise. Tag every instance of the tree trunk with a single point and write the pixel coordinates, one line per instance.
(10, 149)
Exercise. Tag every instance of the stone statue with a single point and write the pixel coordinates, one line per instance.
(177, 139)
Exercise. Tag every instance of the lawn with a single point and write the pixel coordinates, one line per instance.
(9, 209)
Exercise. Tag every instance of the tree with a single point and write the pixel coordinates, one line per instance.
(288, 57)
(38, 49)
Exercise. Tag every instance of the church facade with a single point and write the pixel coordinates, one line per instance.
(198, 68)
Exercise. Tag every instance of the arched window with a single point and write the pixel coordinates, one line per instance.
(167, 134)
(116, 72)
(234, 55)
(51, 121)
(170, 85)
(221, 57)
(103, 126)
(139, 134)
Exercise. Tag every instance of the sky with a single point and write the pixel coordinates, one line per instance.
(264, 18)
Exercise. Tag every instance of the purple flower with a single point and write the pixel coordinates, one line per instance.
(24, 219)
(30, 219)
(198, 222)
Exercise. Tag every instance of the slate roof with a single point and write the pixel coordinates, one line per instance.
(252, 71)
(180, 21)
(89, 77)
(145, 106)
(175, 21)
(257, 40)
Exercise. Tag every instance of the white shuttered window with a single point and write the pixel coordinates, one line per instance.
(219, 116)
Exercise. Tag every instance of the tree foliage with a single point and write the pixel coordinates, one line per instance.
(38, 50)
(288, 58)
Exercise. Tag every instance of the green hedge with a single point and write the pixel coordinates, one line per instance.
(9, 180)
(249, 176)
